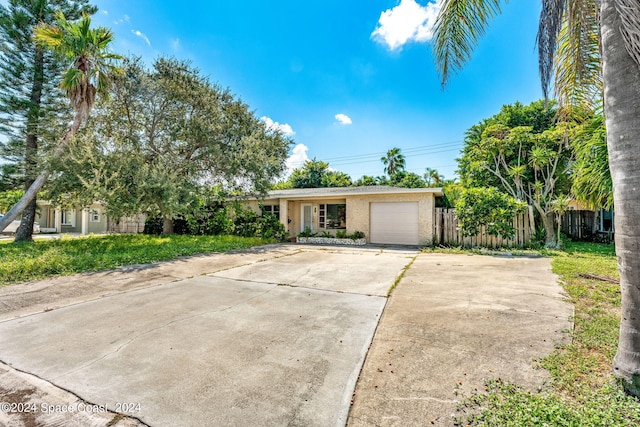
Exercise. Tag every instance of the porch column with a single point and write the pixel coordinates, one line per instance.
(85, 221)
(284, 214)
(57, 220)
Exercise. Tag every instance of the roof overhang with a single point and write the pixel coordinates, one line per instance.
(343, 192)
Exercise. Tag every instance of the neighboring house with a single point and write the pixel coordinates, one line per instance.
(54, 219)
(93, 219)
(602, 218)
(604, 221)
(386, 215)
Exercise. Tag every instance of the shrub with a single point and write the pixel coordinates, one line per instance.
(153, 225)
(357, 235)
(307, 233)
(209, 219)
(216, 219)
(477, 207)
(269, 226)
(244, 222)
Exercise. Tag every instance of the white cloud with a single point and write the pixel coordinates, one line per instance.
(408, 21)
(275, 126)
(125, 18)
(104, 12)
(142, 36)
(343, 119)
(297, 158)
(175, 44)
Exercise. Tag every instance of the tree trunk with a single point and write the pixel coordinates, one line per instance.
(39, 182)
(549, 231)
(549, 228)
(167, 226)
(622, 112)
(24, 233)
(532, 221)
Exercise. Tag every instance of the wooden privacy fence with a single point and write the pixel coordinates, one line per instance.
(579, 225)
(127, 225)
(447, 232)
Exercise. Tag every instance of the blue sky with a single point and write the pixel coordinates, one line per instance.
(349, 79)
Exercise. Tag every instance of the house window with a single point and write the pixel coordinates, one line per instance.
(69, 218)
(271, 209)
(606, 220)
(94, 215)
(332, 216)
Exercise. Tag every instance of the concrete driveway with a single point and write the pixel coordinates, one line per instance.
(275, 336)
(454, 321)
(271, 337)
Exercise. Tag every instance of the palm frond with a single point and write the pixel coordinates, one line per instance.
(548, 30)
(49, 35)
(72, 78)
(578, 68)
(592, 182)
(629, 11)
(458, 28)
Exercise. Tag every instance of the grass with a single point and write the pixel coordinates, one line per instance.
(46, 258)
(583, 391)
(400, 276)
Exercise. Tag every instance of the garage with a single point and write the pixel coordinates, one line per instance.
(394, 223)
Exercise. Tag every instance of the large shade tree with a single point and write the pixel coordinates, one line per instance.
(85, 52)
(166, 135)
(569, 37)
(28, 96)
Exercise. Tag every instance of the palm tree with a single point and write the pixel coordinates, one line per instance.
(90, 68)
(433, 178)
(393, 162)
(583, 45)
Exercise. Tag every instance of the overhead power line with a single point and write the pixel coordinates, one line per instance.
(407, 152)
(416, 170)
(370, 159)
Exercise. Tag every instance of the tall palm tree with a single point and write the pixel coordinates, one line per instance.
(583, 45)
(393, 162)
(26, 88)
(90, 68)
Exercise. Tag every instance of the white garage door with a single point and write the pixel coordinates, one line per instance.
(394, 223)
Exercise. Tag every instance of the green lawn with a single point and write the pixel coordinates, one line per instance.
(583, 391)
(45, 258)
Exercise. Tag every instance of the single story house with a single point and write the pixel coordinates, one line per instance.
(53, 219)
(92, 219)
(386, 215)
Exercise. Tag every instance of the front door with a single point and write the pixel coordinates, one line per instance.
(307, 217)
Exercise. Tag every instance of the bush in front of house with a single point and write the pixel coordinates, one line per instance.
(213, 220)
(153, 225)
(269, 226)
